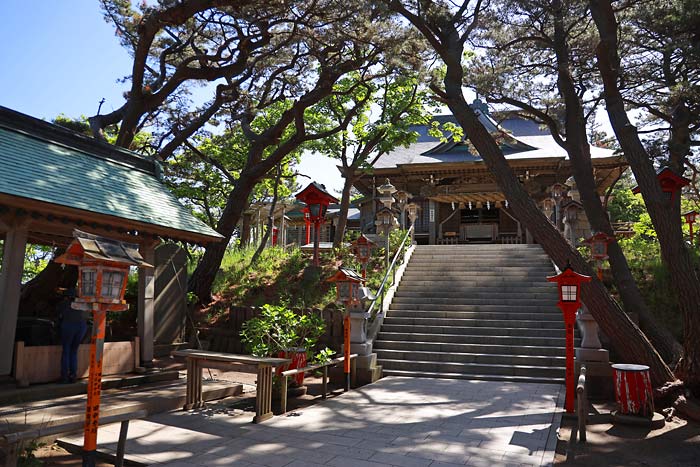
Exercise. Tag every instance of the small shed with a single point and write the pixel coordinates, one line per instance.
(54, 180)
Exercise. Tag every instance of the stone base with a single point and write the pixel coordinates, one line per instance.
(592, 355)
(599, 380)
(657, 421)
(361, 349)
(366, 361)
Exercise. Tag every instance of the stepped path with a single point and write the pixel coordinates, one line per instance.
(475, 312)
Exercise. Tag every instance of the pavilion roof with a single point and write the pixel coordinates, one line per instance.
(52, 166)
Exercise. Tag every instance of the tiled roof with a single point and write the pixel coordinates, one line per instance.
(46, 163)
(521, 140)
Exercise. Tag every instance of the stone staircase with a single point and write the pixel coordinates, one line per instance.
(475, 312)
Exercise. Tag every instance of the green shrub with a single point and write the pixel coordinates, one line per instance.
(279, 328)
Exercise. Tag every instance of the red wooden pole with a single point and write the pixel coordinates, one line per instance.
(94, 388)
(569, 320)
(346, 349)
(690, 226)
(317, 240)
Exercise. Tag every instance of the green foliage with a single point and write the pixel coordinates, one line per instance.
(26, 456)
(323, 356)
(278, 328)
(624, 206)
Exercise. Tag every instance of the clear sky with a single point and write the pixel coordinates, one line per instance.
(61, 57)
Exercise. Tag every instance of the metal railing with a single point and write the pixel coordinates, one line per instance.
(381, 293)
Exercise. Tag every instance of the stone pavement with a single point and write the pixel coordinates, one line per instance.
(397, 421)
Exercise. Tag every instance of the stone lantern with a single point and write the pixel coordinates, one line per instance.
(103, 268)
(385, 223)
(402, 200)
(412, 210)
(386, 191)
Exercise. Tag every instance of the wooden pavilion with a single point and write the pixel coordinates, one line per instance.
(458, 198)
(55, 180)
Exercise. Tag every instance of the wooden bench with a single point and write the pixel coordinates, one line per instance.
(14, 440)
(198, 359)
(306, 369)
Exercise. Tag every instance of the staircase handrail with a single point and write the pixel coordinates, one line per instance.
(379, 296)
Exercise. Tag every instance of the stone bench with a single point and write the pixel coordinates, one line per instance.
(198, 359)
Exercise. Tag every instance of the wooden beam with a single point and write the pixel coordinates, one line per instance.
(57, 215)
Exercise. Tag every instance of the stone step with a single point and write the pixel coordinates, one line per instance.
(468, 348)
(468, 287)
(480, 358)
(481, 315)
(551, 308)
(512, 379)
(473, 267)
(505, 299)
(474, 331)
(412, 294)
(478, 280)
(473, 368)
(481, 247)
(453, 338)
(509, 260)
(473, 323)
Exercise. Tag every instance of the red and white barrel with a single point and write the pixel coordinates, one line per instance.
(633, 390)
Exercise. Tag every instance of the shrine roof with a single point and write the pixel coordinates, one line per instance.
(50, 164)
(519, 139)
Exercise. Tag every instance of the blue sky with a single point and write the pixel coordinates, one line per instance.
(61, 57)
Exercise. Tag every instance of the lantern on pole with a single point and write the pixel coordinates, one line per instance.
(557, 191)
(599, 249)
(347, 292)
(103, 269)
(402, 199)
(548, 208)
(386, 191)
(671, 183)
(690, 217)
(412, 210)
(569, 283)
(385, 223)
(362, 248)
(317, 200)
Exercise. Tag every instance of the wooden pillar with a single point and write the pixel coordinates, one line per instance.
(10, 283)
(146, 303)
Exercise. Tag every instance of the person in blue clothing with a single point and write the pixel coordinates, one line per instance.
(73, 328)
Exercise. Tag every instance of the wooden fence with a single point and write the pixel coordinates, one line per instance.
(226, 338)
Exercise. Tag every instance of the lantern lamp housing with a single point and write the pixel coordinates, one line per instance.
(670, 182)
(599, 245)
(362, 248)
(348, 285)
(690, 217)
(103, 268)
(317, 200)
(569, 283)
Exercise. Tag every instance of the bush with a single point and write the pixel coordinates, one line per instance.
(279, 328)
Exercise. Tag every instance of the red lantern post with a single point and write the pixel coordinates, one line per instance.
(362, 248)
(317, 200)
(690, 217)
(599, 249)
(307, 225)
(569, 283)
(347, 290)
(103, 269)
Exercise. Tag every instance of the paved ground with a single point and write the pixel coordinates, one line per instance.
(396, 421)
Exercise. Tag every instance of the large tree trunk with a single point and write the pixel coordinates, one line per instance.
(579, 152)
(39, 295)
(348, 181)
(627, 339)
(665, 219)
(203, 276)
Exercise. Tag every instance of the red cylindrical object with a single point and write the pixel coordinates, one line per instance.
(298, 357)
(633, 390)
